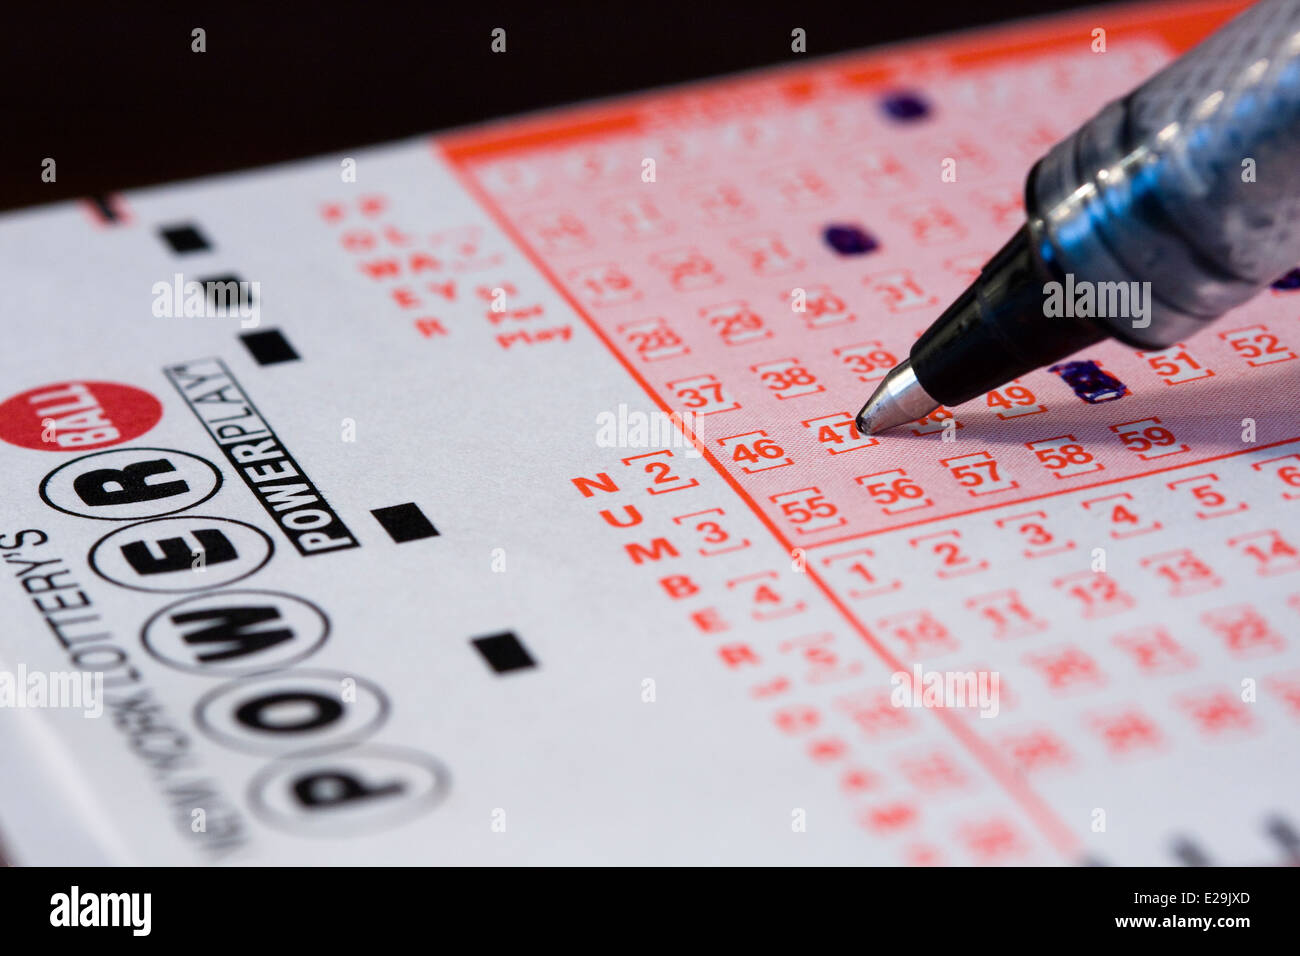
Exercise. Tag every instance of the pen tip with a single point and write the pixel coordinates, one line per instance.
(897, 400)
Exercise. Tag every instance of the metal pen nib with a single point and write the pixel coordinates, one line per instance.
(898, 399)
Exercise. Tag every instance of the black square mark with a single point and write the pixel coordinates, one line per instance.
(405, 522)
(503, 652)
(184, 238)
(269, 347)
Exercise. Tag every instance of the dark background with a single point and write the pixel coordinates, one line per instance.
(114, 94)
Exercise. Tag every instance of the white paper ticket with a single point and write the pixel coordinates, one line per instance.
(495, 498)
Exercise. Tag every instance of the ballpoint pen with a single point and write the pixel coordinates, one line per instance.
(1168, 208)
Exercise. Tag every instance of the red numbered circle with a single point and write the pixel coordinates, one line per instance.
(77, 416)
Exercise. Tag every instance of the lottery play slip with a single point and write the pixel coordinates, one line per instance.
(495, 498)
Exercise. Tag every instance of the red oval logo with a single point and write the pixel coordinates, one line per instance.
(77, 416)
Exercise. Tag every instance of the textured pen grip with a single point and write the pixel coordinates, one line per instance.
(1192, 181)
(1232, 102)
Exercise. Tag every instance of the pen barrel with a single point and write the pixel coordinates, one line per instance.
(1190, 183)
(996, 331)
